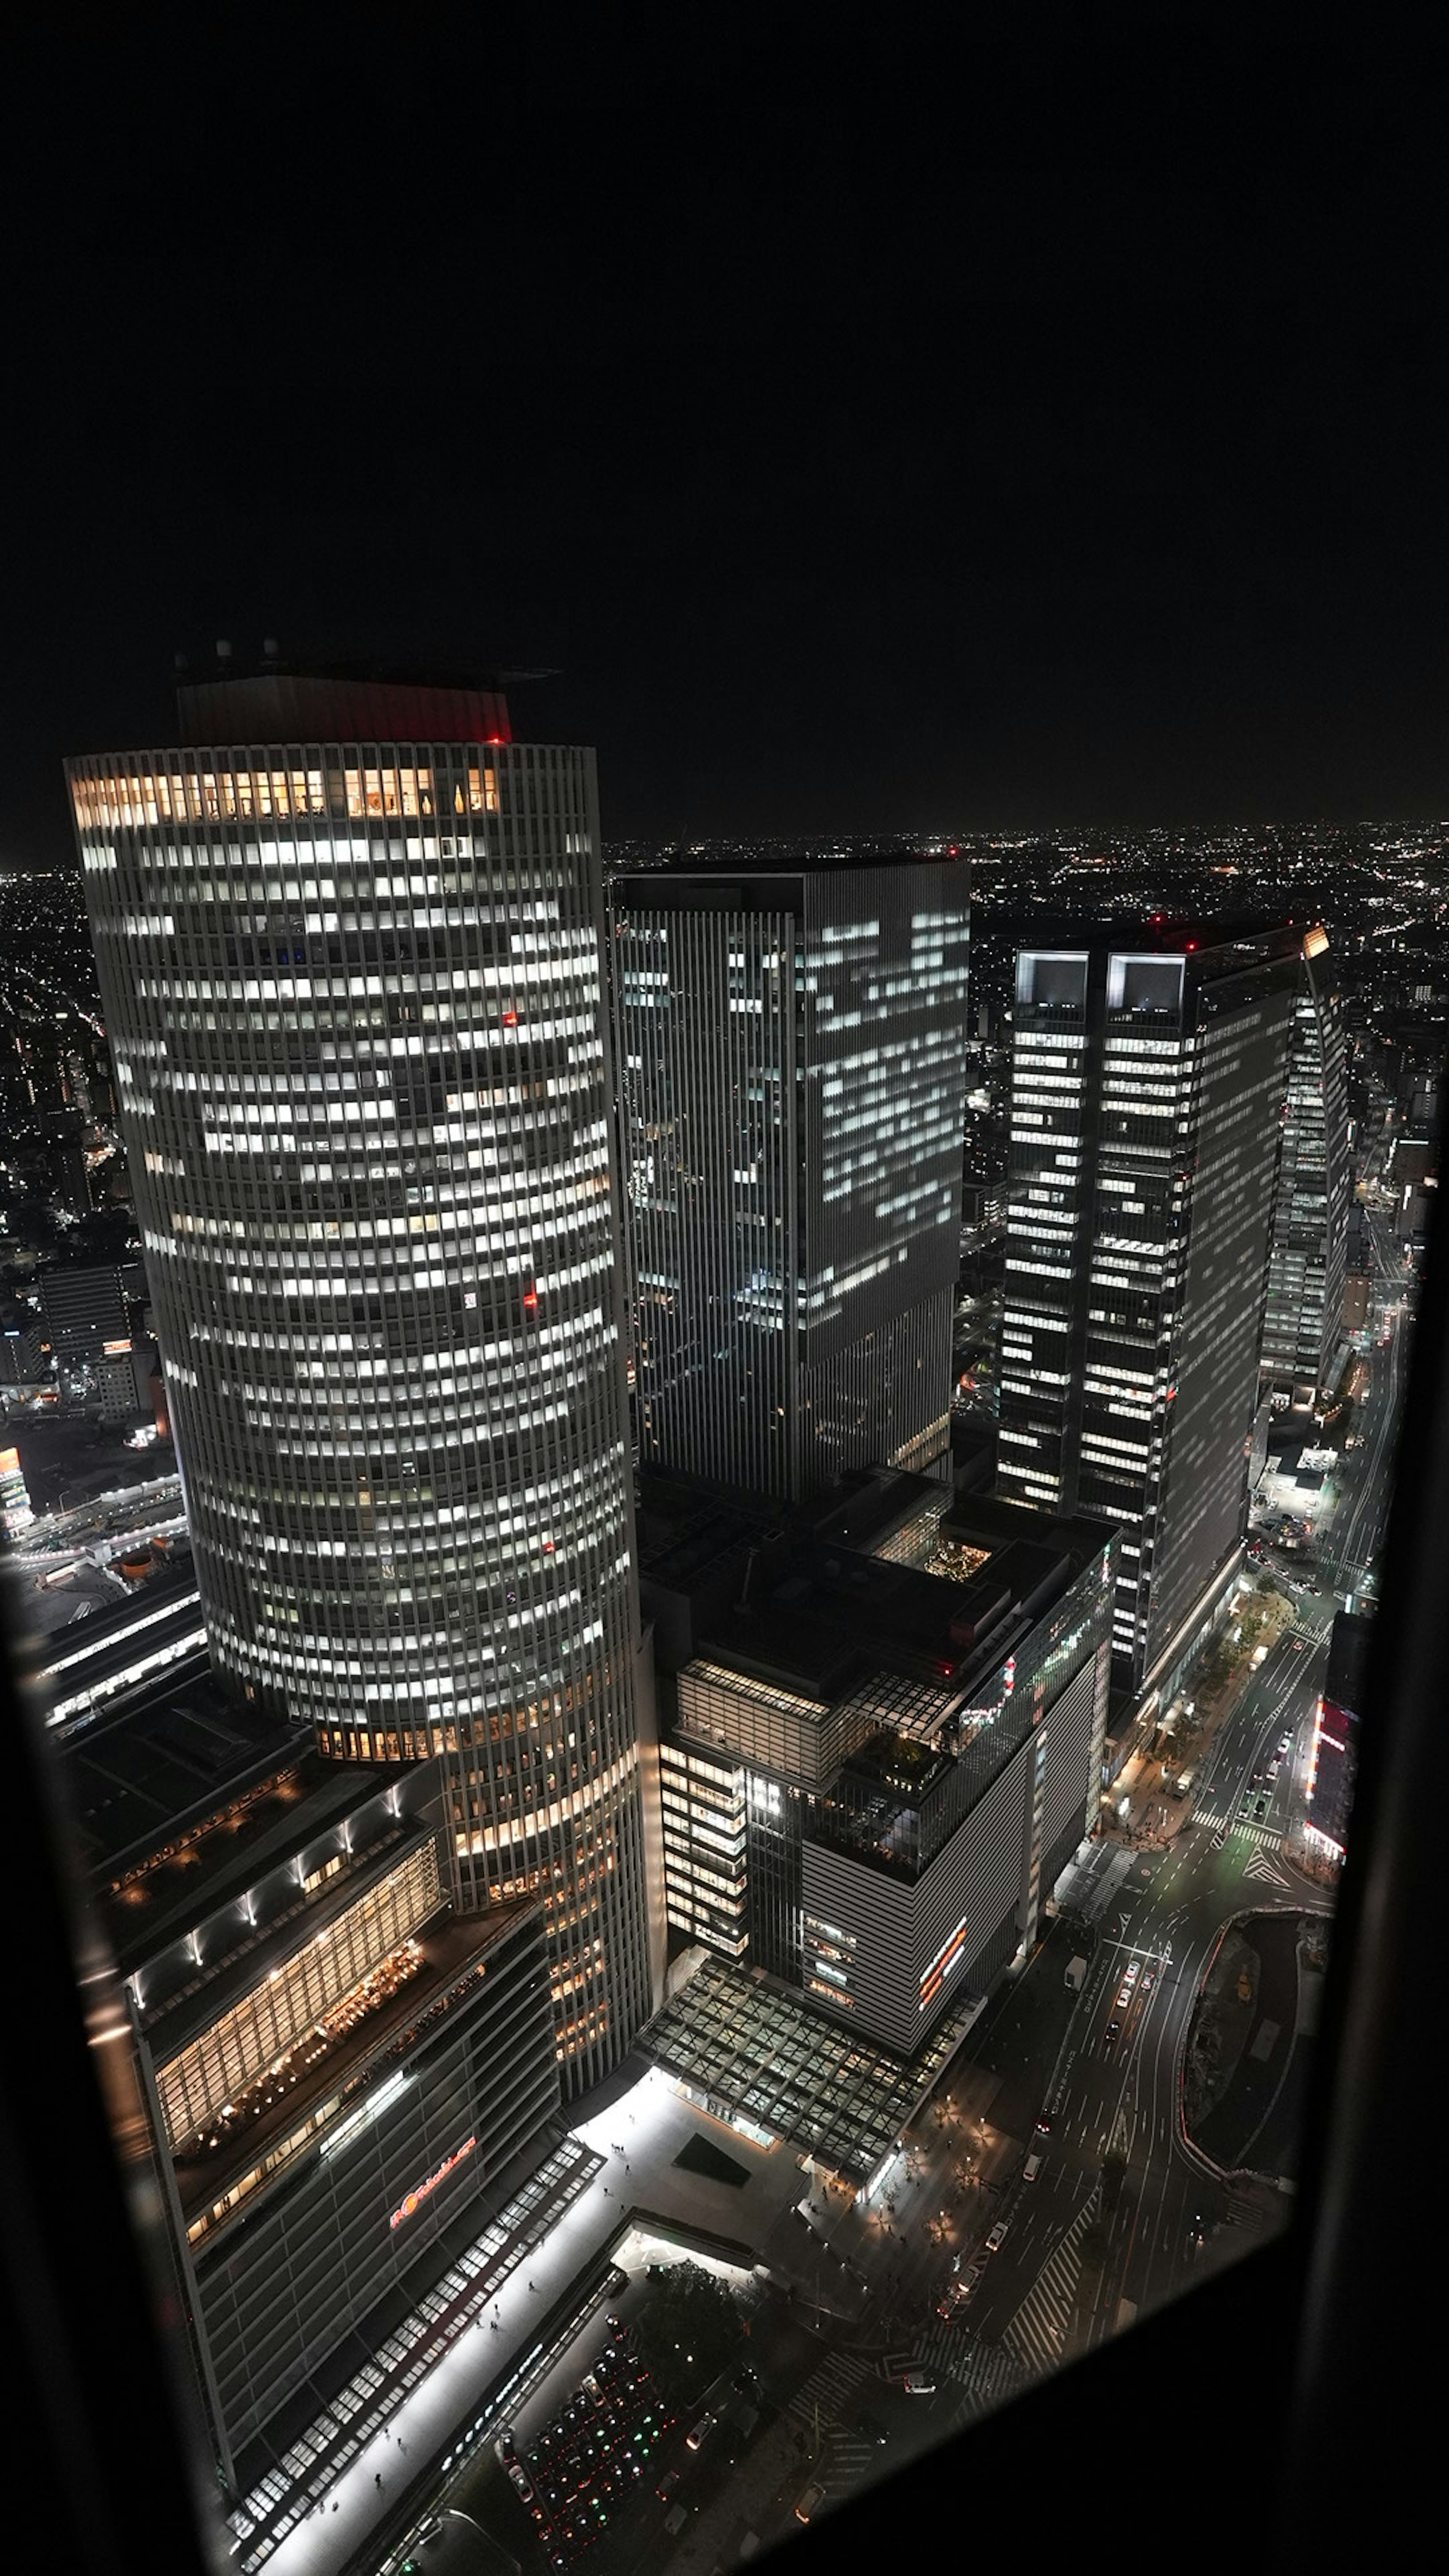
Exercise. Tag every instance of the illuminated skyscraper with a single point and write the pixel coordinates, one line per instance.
(792, 1075)
(1146, 1097)
(1304, 1318)
(348, 941)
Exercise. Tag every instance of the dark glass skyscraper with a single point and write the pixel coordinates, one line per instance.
(792, 1075)
(1304, 1318)
(349, 946)
(1146, 1095)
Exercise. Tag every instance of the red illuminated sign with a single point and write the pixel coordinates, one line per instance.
(421, 2190)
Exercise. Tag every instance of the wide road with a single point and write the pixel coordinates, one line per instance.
(1159, 1913)
(1349, 1539)
(1163, 1912)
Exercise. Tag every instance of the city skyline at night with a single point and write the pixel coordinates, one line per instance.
(724, 980)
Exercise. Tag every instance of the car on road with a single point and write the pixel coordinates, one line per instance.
(696, 2440)
(1031, 2169)
(997, 2237)
(1285, 1742)
(1114, 2030)
(1124, 1991)
(810, 2502)
(919, 2383)
(1043, 2124)
(521, 2481)
(667, 2485)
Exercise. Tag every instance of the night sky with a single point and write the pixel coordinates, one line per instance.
(872, 437)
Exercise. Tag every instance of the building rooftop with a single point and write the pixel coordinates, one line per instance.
(74, 1665)
(1349, 1647)
(217, 1859)
(790, 2074)
(902, 1764)
(167, 1772)
(808, 1603)
(346, 703)
(726, 883)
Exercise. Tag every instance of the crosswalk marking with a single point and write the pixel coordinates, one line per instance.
(830, 2387)
(1267, 1836)
(1037, 2333)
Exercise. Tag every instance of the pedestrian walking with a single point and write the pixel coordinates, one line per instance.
(377, 2481)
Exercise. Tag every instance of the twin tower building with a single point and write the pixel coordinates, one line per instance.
(423, 1141)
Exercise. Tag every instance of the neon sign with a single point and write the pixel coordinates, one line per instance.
(420, 2191)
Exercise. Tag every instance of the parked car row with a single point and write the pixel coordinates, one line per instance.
(593, 2455)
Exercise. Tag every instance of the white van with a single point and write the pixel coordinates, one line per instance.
(1031, 2169)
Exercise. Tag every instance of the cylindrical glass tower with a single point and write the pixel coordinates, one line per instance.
(353, 991)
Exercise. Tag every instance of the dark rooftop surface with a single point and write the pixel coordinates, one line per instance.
(348, 704)
(84, 1649)
(1349, 1645)
(267, 1816)
(817, 1612)
(683, 1528)
(1210, 938)
(138, 1779)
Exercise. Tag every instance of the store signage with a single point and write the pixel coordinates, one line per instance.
(420, 2191)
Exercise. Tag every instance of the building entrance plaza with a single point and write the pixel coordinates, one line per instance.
(756, 2058)
(741, 2064)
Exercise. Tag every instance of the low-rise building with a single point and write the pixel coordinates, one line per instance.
(882, 1736)
(342, 2075)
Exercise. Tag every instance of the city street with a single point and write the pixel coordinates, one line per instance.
(1163, 1909)
(1082, 2252)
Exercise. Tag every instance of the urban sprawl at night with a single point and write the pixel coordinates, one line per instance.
(697, 1526)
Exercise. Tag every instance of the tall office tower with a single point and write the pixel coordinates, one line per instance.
(1304, 1316)
(1147, 1090)
(792, 1076)
(348, 941)
(83, 1309)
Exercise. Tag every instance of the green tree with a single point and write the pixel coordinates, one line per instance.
(688, 2330)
